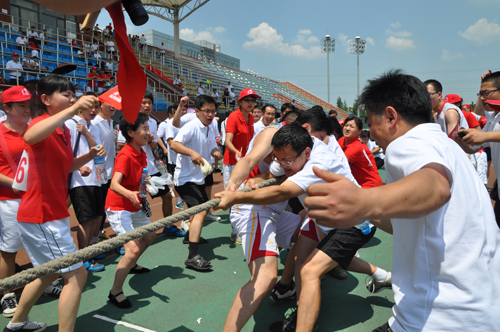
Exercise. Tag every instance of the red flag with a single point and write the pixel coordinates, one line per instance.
(130, 78)
(113, 98)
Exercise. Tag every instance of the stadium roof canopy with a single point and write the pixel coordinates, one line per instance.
(174, 11)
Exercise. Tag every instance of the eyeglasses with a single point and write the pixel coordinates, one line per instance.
(432, 93)
(286, 163)
(247, 100)
(209, 112)
(486, 93)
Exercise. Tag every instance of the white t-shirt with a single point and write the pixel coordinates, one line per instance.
(493, 124)
(229, 87)
(143, 40)
(322, 157)
(14, 65)
(77, 180)
(32, 34)
(97, 55)
(258, 127)
(440, 118)
(200, 138)
(78, 93)
(110, 45)
(232, 96)
(162, 49)
(200, 91)
(21, 40)
(177, 81)
(107, 137)
(94, 47)
(153, 129)
(445, 264)
(215, 95)
(34, 53)
(3, 116)
(170, 133)
(109, 65)
(372, 145)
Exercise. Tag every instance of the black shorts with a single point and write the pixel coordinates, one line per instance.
(161, 192)
(341, 244)
(87, 202)
(193, 194)
(209, 180)
(295, 205)
(170, 168)
(104, 191)
(383, 328)
(488, 153)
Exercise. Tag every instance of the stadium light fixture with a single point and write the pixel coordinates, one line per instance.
(328, 46)
(358, 47)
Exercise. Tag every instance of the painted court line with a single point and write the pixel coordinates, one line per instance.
(119, 322)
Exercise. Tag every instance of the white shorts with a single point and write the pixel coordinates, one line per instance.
(48, 241)
(262, 230)
(10, 241)
(226, 172)
(125, 221)
(313, 231)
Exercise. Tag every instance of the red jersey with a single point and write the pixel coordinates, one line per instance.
(48, 166)
(130, 163)
(242, 131)
(100, 84)
(92, 84)
(362, 163)
(15, 144)
(471, 119)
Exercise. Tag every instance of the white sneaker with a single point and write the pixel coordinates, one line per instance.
(377, 286)
(27, 326)
(185, 225)
(9, 304)
(211, 217)
(236, 238)
(53, 290)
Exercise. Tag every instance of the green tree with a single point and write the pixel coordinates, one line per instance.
(339, 103)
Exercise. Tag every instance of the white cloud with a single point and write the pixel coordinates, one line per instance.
(130, 28)
(482, 32)
(220, 29)
(313, 39)
(264, 38)
(447, 55)
(401, 34)
(190, 35)
(399, 44)
(302, 37)
(395, 25)
(304, 32)
(370, 41)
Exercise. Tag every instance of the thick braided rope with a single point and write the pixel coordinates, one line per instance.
(27, 276)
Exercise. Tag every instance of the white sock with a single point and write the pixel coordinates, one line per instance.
(16, 326)
(379, 275)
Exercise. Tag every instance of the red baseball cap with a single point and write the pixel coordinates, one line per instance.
(248, 92)
(452, 98)
(94, 67)
(467, 106)
(16, 94)
(15, 53)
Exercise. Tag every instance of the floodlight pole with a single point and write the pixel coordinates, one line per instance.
(358, 47)
(327, 46)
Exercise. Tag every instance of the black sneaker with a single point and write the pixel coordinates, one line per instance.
(279, 293)
(289, 324)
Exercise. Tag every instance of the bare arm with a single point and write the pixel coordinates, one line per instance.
(6, 181)
(383, 224)
(124, 192)
(44, 128)
(264, 196)
(479, 110)
(162, 145)
(261, 149)
(452, 119)
(176, 120)
(178, 147)
(341, 204)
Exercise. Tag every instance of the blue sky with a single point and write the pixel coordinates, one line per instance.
(451, 41)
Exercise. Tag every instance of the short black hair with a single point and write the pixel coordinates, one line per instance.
(90, 93)
(317, 120)
(365, 134)
(294, 136)
(358, 121)
(257, 106)
(204, 99)
(49, 85)
(148, 95)
(126, 126)
(291, 116)
(287, 105)
(405, 93)
(494, 78)
(336, 127)
(269, 105)
(437, 86)
(332, 112)
(171, 109)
